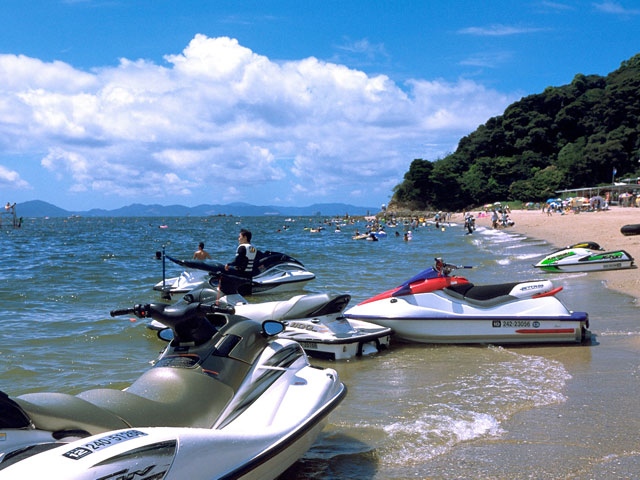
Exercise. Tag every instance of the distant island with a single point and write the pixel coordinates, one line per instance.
(39, 208)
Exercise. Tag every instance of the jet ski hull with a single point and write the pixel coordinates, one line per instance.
(337, 338)
(539, 322)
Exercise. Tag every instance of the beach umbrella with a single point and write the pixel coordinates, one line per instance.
(554, 200)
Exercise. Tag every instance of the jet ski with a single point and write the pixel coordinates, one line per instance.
(273, 272)
(585, 257)
(315, 321)
(436, 307)
(226, 399)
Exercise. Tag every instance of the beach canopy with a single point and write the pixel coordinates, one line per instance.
(554, 200)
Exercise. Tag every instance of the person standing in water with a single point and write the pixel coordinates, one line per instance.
(201, 253)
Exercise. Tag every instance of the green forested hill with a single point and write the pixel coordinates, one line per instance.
(566, 137)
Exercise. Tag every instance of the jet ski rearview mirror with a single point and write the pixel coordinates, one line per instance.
(165, 334)
(272, 327)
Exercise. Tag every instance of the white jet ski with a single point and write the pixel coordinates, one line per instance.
(273, 272)
(226, 402)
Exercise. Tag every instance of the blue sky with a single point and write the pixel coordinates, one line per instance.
(104, 103)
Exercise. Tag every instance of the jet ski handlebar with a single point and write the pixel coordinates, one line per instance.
(162, 311)
(453, 267)
(446, 268)
(188, 321)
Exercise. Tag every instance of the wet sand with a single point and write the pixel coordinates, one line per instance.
(593, 432)
(602, 227)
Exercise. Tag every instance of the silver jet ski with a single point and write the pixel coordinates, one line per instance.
(226, 399)
(316, 321)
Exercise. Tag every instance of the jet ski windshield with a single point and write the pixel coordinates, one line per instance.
(428, 274)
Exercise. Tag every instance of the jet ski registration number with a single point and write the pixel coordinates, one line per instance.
(511, 323)
(103, 442)
(309, 345)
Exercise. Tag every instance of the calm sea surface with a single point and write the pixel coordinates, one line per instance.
(414, 411)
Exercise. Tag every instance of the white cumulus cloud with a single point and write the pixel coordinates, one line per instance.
(220, 119)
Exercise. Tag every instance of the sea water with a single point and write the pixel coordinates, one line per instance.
(413, 411)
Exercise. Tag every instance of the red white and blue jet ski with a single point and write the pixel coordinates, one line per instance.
(436, 307)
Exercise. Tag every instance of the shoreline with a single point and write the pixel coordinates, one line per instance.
(602, 227)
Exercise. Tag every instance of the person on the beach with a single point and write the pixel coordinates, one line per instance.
(245, 255)
(494, 219)
(201, 253)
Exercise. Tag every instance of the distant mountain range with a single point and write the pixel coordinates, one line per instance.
(38, 208)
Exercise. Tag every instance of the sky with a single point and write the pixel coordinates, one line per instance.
(105, 103)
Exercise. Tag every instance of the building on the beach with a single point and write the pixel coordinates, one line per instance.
(615, 192)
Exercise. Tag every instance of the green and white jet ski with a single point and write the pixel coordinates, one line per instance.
(585, 257)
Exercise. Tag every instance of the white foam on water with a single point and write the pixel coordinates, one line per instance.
(470, 404)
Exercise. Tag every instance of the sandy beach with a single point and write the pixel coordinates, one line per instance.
(602, 227)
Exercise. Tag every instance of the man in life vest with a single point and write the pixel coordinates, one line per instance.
(242, 264)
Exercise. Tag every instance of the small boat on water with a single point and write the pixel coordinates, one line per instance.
(435, 307)
(585, 257)
(273, 272)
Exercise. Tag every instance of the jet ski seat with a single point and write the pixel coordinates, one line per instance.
(61, 411)
(161, 397)
(483, 295)
(165, 397)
